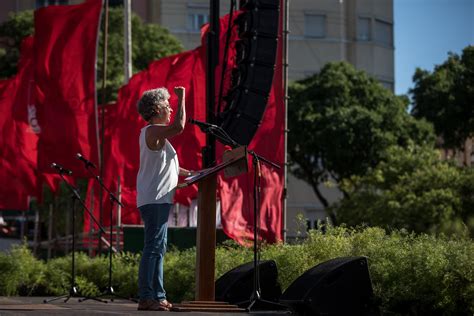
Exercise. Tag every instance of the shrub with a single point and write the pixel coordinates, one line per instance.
(179, 274)
(21, 273)
(411, 274)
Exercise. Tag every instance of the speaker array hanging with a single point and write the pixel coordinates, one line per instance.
(252, 77)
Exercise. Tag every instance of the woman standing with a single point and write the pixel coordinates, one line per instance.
(156, 182)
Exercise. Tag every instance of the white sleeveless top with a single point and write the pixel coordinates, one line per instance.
(158, 174)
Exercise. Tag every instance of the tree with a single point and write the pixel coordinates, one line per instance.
(149, 42)
(411, 189)
(341, 123)
(445, 97)
(12, 32)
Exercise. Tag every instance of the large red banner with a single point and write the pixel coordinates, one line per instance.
(237, 194)
(65, 56)
(19, 134)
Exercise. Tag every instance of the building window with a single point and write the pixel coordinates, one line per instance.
(45, 3)
(196, 21)
(363, 29)
(383, 32)
(315, 25)
(316, 224)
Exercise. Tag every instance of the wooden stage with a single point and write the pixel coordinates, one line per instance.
(34, 306)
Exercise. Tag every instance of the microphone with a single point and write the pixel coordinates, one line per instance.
(85, 161)
(202, 125)
(60, 168)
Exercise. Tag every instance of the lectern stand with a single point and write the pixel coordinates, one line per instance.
(206, 233)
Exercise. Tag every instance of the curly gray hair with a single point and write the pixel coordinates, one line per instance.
(151, 101)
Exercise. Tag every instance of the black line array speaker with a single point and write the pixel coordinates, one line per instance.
(236, 285)
(340, 286)
(252, 78)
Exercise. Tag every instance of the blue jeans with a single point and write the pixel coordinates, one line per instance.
(150, 272)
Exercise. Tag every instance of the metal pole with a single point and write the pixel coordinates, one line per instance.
(119, 214)
(212, 61)
(50, 230)
(91, 224)
(68, 228)
(96, 108)
(102, 112)
(36, 233)
(127, 49)
(286, 33)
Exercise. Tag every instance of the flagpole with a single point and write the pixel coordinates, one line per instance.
(102, 114)
(286, 33)
(96, 107)
(127, 28)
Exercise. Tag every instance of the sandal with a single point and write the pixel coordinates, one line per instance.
(151, 305)
(166, 304)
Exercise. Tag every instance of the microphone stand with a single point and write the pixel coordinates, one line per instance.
(113, 199)
(75, 197)
(255, 302)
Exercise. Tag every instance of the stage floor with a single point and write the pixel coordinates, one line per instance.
(34, 306)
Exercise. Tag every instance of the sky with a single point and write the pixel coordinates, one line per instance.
(425, 31)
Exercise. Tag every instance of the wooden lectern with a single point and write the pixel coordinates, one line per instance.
(234, 163)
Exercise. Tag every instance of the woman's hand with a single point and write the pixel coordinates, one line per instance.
(186, 173)
(179, 91)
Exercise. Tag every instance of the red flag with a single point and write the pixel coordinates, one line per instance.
(236, 194)
(19, 134)
(65, 54)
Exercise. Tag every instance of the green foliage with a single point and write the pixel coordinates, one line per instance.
(341, 123)
(149, 42)
(411, 189)
(445, 97)
(21, 273)
(13, 30)
(58, 276)
(125, 273)
(179, 274)
(411, 274)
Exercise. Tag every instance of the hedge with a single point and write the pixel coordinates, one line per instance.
(411, 274)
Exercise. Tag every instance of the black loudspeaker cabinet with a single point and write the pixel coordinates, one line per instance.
(261, 22)
(236, 285)
(340, 286)
(252, 78)
(250, 4)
